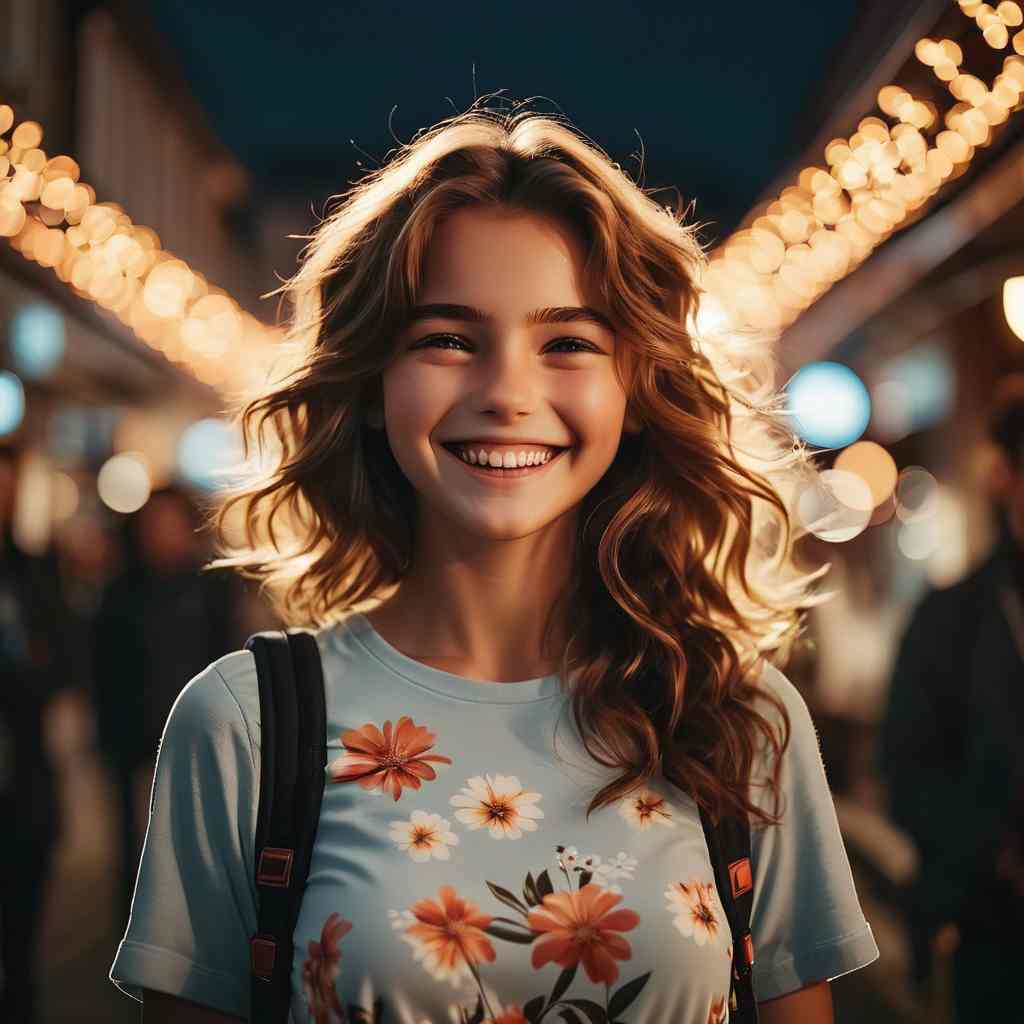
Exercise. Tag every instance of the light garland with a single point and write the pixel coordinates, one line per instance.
(121, 266)
(826, 224)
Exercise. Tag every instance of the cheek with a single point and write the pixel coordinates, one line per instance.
(597, 407)
(410, 402)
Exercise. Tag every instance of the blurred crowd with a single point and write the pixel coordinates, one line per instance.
(122, 613)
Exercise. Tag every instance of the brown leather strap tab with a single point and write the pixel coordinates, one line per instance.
(748, 949)
(740, 877)
(275, 867)
(262, 954)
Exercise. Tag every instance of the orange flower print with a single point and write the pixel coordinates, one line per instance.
(513, 1015)
(498, 803)
(580, 927)
(387, 761)
(698, 912)
(646, 809)
(717, 1013)
(323, 962)
(448, 936)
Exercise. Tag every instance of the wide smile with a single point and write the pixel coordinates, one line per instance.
(506, 476)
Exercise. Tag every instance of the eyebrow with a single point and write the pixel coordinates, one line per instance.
(547, 315)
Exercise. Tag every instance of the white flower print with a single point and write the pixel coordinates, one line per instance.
(591, 863)
(498, 803)
(424, 836)
(567, 857)
(697, 911)
(621, 866)
(645, 809)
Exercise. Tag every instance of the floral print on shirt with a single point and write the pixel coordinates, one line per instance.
(424, 836)
(387, 760)
(498, 803)
(581, 927)
(645, 809)
(323, 963)
(697, 911)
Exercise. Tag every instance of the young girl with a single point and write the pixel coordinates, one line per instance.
(541, 527)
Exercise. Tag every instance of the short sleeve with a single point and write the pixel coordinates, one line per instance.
(195, 908)
(806, 921)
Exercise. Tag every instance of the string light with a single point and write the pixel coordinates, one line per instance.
(833, 217)
(52, 217)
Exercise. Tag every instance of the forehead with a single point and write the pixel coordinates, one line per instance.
(503, 261)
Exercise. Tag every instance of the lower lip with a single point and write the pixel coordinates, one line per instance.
(498, 476)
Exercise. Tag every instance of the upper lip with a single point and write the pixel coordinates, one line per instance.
(500, 440)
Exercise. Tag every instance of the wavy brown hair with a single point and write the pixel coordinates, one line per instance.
(684, 554)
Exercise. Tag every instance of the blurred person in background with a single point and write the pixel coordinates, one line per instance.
(160, 611)
(34, 665)
(950, 752)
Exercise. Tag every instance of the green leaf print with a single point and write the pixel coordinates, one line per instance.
(626, 994)
(530, 892)
(477, 1016)
(544, 886)
(585, 877)
(531, 1011)
(593, 1012)
(571, 1016)
(508, 934)
(509, 899)
(563, 982)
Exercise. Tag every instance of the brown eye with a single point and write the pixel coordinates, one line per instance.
(433, 340)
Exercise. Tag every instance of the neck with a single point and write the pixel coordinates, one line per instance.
(481, 614)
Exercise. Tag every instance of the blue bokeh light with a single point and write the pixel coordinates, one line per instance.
(207, 452)
(37, 340)
(829, 404)
(12, 402)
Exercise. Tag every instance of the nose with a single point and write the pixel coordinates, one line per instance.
(508, 381)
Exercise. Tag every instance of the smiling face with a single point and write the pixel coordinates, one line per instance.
(454, 379)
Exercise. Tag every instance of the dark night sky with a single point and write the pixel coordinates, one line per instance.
(711, 92)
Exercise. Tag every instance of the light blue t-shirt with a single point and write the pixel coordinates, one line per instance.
(454, 862)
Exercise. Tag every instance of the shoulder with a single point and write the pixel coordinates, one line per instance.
(220, 701)
(776, 682)
(802, 751)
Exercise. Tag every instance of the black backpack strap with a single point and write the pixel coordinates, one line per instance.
(729, 846)
(293, 752)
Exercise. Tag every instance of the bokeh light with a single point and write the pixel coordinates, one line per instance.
(65, 497)
(874, 465)
(917, 494)
(37, 340)
(12, 402)
(1013, 304)
(829, 404)
(914, 390)
(918, 540)
(207, 452)
(123, 483)
(837, 507)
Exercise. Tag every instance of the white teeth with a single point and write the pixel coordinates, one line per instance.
(507, 460)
